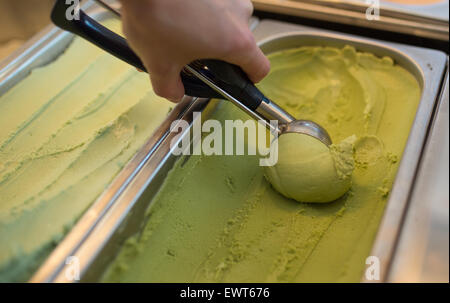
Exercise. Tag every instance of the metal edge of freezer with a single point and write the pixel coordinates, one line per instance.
(355, 15)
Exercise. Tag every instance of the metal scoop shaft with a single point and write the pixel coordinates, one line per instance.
(260, 108)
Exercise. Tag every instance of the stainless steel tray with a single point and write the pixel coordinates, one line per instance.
(431, 12)
(355, 14)
(44, 48)
(428, 67)
(125, 217)
(421, 254)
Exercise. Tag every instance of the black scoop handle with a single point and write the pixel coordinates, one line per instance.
(230, 77)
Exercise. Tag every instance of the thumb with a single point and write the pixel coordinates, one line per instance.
(168, 84)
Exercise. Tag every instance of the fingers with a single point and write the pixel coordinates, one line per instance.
(245, 53)
(255, 65)
(246, 9)
(168, 84)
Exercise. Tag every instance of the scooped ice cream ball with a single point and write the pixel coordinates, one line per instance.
(309, 171)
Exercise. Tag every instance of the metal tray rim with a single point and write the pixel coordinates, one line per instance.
(395, 9)
(425, 28)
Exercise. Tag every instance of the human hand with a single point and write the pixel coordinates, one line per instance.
(168, 34)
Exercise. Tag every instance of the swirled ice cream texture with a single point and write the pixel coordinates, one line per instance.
(217, 219)
(66, 130)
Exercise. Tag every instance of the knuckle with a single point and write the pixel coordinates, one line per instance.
(157, 66)
(240, 43)
(244, 41)
(248, 8)
(162, 90)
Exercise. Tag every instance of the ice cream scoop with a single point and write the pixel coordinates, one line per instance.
(308, 171)
(201, 78)
(233, 84)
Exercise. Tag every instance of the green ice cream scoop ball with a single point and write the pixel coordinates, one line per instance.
(309, 171)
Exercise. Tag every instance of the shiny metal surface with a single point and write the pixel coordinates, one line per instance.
(268, 111)
(192, 69)
(309, 128)
(271, 111)
(287, 124)
(126, 216)
(395, 22)
(422, 252)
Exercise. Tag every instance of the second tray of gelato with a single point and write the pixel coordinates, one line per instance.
(217, 219)
(66, 130)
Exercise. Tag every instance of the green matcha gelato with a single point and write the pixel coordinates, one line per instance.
(309, 171)
(217, 219)
(66, 130)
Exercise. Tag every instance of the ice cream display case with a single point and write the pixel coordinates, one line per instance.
(158, 217)
(154, 207)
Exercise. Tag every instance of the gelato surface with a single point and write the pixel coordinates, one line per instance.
(309, 171)
(217, 219)
(66, 130)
